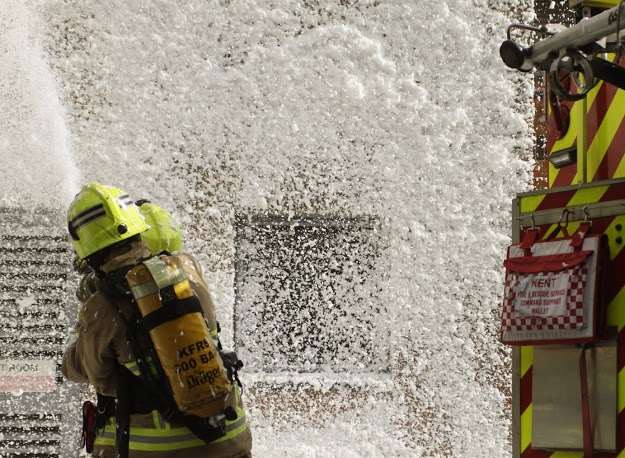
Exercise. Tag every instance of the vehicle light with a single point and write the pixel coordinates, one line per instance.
(563, 157)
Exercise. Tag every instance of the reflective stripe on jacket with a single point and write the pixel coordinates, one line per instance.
(165, 438)
(152, 433)
(157, 435)
(153, 437)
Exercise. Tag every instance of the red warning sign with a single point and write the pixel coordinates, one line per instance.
(550, 294)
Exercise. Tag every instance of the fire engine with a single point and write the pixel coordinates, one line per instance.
(569, 387)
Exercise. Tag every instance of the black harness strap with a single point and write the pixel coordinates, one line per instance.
(171, 311)
(122, 413)
(203, 430)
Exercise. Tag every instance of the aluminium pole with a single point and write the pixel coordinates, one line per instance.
(585, 32)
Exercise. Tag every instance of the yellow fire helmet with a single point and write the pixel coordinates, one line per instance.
(164, 234)
(101, 216)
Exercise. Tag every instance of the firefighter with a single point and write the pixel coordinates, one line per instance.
(163, 236)
(105, 228)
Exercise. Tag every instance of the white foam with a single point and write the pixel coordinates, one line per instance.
(35, 144)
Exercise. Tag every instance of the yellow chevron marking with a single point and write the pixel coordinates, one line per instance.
(553, 173)
(550, 231)
(605, 133)
(592, 95)
(527, 358)
(526, 428)
(581, 197)
(529, 204)
(620, 170)
(591, 195)
(587, 196)
(570, 228)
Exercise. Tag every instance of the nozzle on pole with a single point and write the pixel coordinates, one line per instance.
(513, 55)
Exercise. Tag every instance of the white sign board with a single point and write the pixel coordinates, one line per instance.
(542, 295)
(27, 376)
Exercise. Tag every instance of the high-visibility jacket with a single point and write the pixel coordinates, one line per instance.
(101, 346)
(152, 436)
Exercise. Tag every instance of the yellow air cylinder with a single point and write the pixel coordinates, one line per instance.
(180, 335)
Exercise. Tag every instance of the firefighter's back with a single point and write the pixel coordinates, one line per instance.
(117, 348)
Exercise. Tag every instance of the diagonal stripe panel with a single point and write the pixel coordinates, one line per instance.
(620, 169)
(527, 359)
(556, 200)
(606, 132)
(526, 428)
(615, 192)
(599, 99)
(526, 390)
(587, 195)
(566, 176)
(598, 108)
(614, 155)
(571, 197)
(529, 204)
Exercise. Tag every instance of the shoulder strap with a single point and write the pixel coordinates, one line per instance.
(172, 311)
(114, 284)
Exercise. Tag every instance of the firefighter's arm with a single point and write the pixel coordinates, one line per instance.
(91, 358)
(71, 368)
